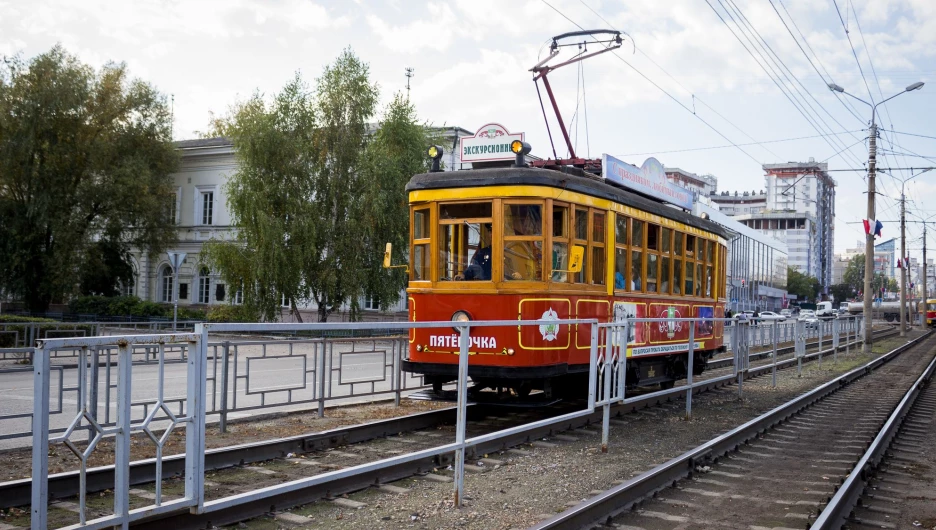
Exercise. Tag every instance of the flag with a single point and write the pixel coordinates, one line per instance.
(867, 226)
(899, 263)
(877, 228)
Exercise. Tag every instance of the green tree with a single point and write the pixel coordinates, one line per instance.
(805, 287)
(85, 156)
(315, 196)
(841, 292)
(854, 273)
(893, 285)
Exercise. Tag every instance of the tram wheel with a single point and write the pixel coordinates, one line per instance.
(523, 389)
(666, 385)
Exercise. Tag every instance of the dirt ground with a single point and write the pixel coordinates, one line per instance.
(17, 464)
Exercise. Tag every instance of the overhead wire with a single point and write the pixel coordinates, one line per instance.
(690, 92)
(774, 71)
(742, 144)
(658, 87)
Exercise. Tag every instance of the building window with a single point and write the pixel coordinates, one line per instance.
(126, 287)
(239, 297)
(166, 285)
(370, 302)
(204, 286)
(204, 205)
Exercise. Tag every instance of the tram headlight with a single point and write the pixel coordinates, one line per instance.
(520, 149)
(460, 316)
(435, 154)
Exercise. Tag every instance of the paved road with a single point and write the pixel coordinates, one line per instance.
(286, 374)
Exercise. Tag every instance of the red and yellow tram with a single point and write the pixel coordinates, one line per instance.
(494, 244)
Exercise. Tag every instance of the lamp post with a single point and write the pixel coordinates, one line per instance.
(869, 238)
(903, 250)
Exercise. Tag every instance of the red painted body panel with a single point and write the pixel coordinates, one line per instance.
(553, 344)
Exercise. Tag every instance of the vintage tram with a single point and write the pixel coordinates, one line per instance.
(495, 244)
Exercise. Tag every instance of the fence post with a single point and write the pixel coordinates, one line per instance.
(800, 347)
(690, 367)
(122, 437)
(195, 428)
(40, 428)
(93, 390)
(593, 371)
(606, 384)
(397, 346)
(462, 415)
(320, 346)
(820, 327)
(836, 330)
(225, 362)
(773, 356)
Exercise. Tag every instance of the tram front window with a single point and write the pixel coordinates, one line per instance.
(523, 242)
(465, 251)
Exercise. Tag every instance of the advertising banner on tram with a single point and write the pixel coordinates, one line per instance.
(649, 179)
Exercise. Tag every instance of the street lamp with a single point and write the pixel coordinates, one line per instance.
(869, 238)
(903, 248)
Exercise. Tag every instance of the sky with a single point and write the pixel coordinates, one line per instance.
(683, 87)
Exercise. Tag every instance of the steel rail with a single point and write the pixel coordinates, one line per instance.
(601, 508)
(61, 485)
(248, 505)
(836, 512)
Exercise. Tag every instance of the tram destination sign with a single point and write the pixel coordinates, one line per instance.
(649, 179)
(490, 143)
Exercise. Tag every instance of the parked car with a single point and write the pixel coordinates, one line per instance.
(786, 312)
(806, 314)
(770, 315)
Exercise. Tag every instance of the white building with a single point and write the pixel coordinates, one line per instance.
(199, 208)
(699, 185)
(798, 209)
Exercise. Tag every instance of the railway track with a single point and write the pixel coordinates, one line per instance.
(775, 471)
(280, 460)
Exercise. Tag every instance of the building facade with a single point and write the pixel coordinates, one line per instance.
(699, 185)
(743, 203)
(798, 209)
(757, 265)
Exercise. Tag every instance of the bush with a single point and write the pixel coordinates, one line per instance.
(231, 313)
(129, 306)
(17, 318)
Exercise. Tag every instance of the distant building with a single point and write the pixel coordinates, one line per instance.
(703, 185)
(885, 258)
(740, 203)
(756, 265)
(798, 208)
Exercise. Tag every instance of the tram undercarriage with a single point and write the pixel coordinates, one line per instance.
(566, 382)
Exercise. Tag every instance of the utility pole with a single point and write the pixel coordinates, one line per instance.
(409, 74)
(869, 239)
(903, 265)
(925, 294)
(869, 243)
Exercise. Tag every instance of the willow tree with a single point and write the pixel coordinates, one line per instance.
(85, 164)
(314, 192)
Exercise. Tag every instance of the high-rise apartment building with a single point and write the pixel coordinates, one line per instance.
(798, 209)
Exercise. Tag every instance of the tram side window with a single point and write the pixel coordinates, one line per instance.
(620, 253)
(560, 242)
(523, 242)
(581, 238)
(420, 245)
(597, 245)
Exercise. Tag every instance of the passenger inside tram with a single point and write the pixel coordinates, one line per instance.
(480, 266)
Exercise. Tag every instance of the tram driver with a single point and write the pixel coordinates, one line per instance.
(480, 266)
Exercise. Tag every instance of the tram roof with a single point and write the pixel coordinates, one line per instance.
(569, 178)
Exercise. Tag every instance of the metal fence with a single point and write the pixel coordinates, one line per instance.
(606, 386)
(240, 376)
